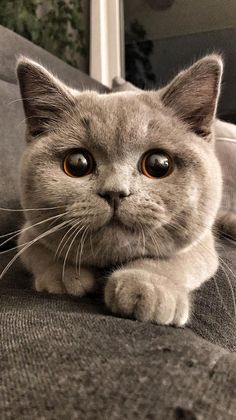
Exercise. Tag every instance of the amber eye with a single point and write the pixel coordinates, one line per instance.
(78, 163)
(156, 164)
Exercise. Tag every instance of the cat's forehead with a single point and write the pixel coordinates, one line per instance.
(119, 120)
(121, 125)
(124, 106)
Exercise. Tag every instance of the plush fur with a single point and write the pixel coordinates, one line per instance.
(225, 223)
(160, 245)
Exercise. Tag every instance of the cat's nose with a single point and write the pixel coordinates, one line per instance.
(114, 197)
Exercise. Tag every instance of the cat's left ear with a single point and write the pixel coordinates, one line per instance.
(193, 94)
(45, 98)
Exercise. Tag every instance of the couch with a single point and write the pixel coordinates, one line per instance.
(70, 358)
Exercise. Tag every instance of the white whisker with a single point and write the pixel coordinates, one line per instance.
(81, 249)
(52, 230)
(77, 231)
(31, 209)
(16, 233)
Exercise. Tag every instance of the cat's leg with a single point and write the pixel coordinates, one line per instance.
(159, 291)
(48, 273)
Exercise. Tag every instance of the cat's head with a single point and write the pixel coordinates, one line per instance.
(135, 172)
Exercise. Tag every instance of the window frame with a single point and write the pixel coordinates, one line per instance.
(106, 40)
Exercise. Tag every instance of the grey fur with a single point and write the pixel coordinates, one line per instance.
(163, 246)
(225, 223)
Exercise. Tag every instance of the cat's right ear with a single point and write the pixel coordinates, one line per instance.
(193, 94)
(45, 98)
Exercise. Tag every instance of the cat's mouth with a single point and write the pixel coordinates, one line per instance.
(116, 223)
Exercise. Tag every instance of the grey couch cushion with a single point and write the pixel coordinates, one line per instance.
(12, 145)
(63, 358)
(226, 152)
(13, 45)
(214, 304)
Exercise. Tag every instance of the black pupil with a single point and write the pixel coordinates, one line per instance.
(78, 164)
(157, 165)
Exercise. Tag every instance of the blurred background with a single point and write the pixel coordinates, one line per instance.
(59, 26)
(144, 41)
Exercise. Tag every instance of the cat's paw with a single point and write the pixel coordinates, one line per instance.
(78, 283)
(50, 282)
(72, 282)
(133, 292)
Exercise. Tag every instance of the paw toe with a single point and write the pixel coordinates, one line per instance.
(164, 307)
(78, 284)
(129, 295)
(182, 310)
(132, 293)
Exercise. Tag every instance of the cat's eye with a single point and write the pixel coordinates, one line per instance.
(78, 163)
(156, 164)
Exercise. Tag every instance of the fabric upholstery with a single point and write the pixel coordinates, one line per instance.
(11, 145)
(13, 45)
(70, 358)
(226, 152)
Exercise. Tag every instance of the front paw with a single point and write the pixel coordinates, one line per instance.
(136, 293)
(50, 281)
(78, 283)
(53, 280)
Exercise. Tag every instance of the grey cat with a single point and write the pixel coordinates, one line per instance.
(126, 181)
